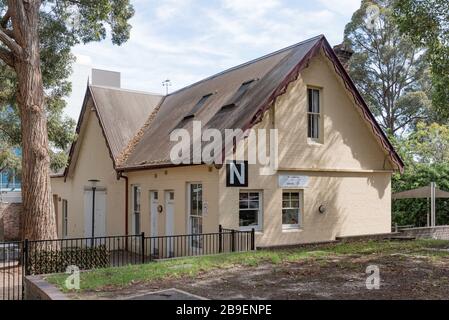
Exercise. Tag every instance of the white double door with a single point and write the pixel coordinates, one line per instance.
(99, 220)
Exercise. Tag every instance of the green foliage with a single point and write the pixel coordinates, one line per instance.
(387, 67)
(63, 24)
(86, 21)
(414, 211)
(426, 23)
(429, 144)
(8, 159)
(426, 154)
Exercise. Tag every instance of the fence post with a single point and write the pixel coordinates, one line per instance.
(25, 257)
(253, 239)
(143, 247)
(233, 240)
(220, 238)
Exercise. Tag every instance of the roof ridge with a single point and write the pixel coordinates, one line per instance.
(247, 63)
(126, 90)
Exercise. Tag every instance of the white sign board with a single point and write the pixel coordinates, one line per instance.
(293, 181)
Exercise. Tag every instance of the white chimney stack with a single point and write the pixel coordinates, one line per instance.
(105, 78)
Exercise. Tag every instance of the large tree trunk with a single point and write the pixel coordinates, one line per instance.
(39, 220)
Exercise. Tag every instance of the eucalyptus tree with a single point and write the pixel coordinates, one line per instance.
(427, 24)
(36, 38)
(388, 68)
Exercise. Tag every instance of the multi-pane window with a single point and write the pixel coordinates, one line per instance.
(136, 209)
(313, 114)
(196, 213)
(65, 218)
(291, 209)
(250, 209)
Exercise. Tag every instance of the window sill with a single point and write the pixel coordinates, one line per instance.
(256, 230)
(313, 142)
(291, 229)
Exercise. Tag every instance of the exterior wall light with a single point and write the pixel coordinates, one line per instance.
(322, 208)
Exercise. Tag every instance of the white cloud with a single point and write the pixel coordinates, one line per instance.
(251, 9)
(168, 9)
(186, 40)
(83, 59)
(341, 7)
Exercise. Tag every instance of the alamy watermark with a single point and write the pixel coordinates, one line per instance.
(373, 279)
(372, 16)
(72, 282)
(207, 146)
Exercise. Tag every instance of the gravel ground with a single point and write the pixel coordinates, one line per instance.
(402, 276)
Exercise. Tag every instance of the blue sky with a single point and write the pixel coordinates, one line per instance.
(187, 40)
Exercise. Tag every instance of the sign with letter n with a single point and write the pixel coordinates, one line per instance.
(237, 174)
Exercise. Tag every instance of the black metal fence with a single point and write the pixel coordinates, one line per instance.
(33, 257)
(226, 240)
(11, 272)
(51, 256)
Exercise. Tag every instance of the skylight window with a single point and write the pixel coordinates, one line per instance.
(198, 106)
(242, 90)
(246, 84)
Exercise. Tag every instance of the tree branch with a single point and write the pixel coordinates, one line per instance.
(7, 133)
(5, 19)
(10, 43)
(7, 57)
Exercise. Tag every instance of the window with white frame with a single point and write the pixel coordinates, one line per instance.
(196, 214)
(136, 209)
(65, 218)
(313, 114)
(250, 209)
(291, 209)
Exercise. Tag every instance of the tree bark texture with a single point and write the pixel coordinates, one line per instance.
(39, 219)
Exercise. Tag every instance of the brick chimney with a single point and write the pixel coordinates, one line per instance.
(343, 53)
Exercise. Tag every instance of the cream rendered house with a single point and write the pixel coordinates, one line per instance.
(334, 169)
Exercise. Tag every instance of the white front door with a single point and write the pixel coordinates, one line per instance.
(170, 221)
(100, 213)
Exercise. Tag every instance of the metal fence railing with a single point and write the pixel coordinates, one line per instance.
(11, 272)
(34, 257)
(51, 256)
(226, 240)
(397, 228)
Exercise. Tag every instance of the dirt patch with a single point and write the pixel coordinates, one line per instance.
(402, 276)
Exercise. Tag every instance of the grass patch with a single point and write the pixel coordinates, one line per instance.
(192, 267)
